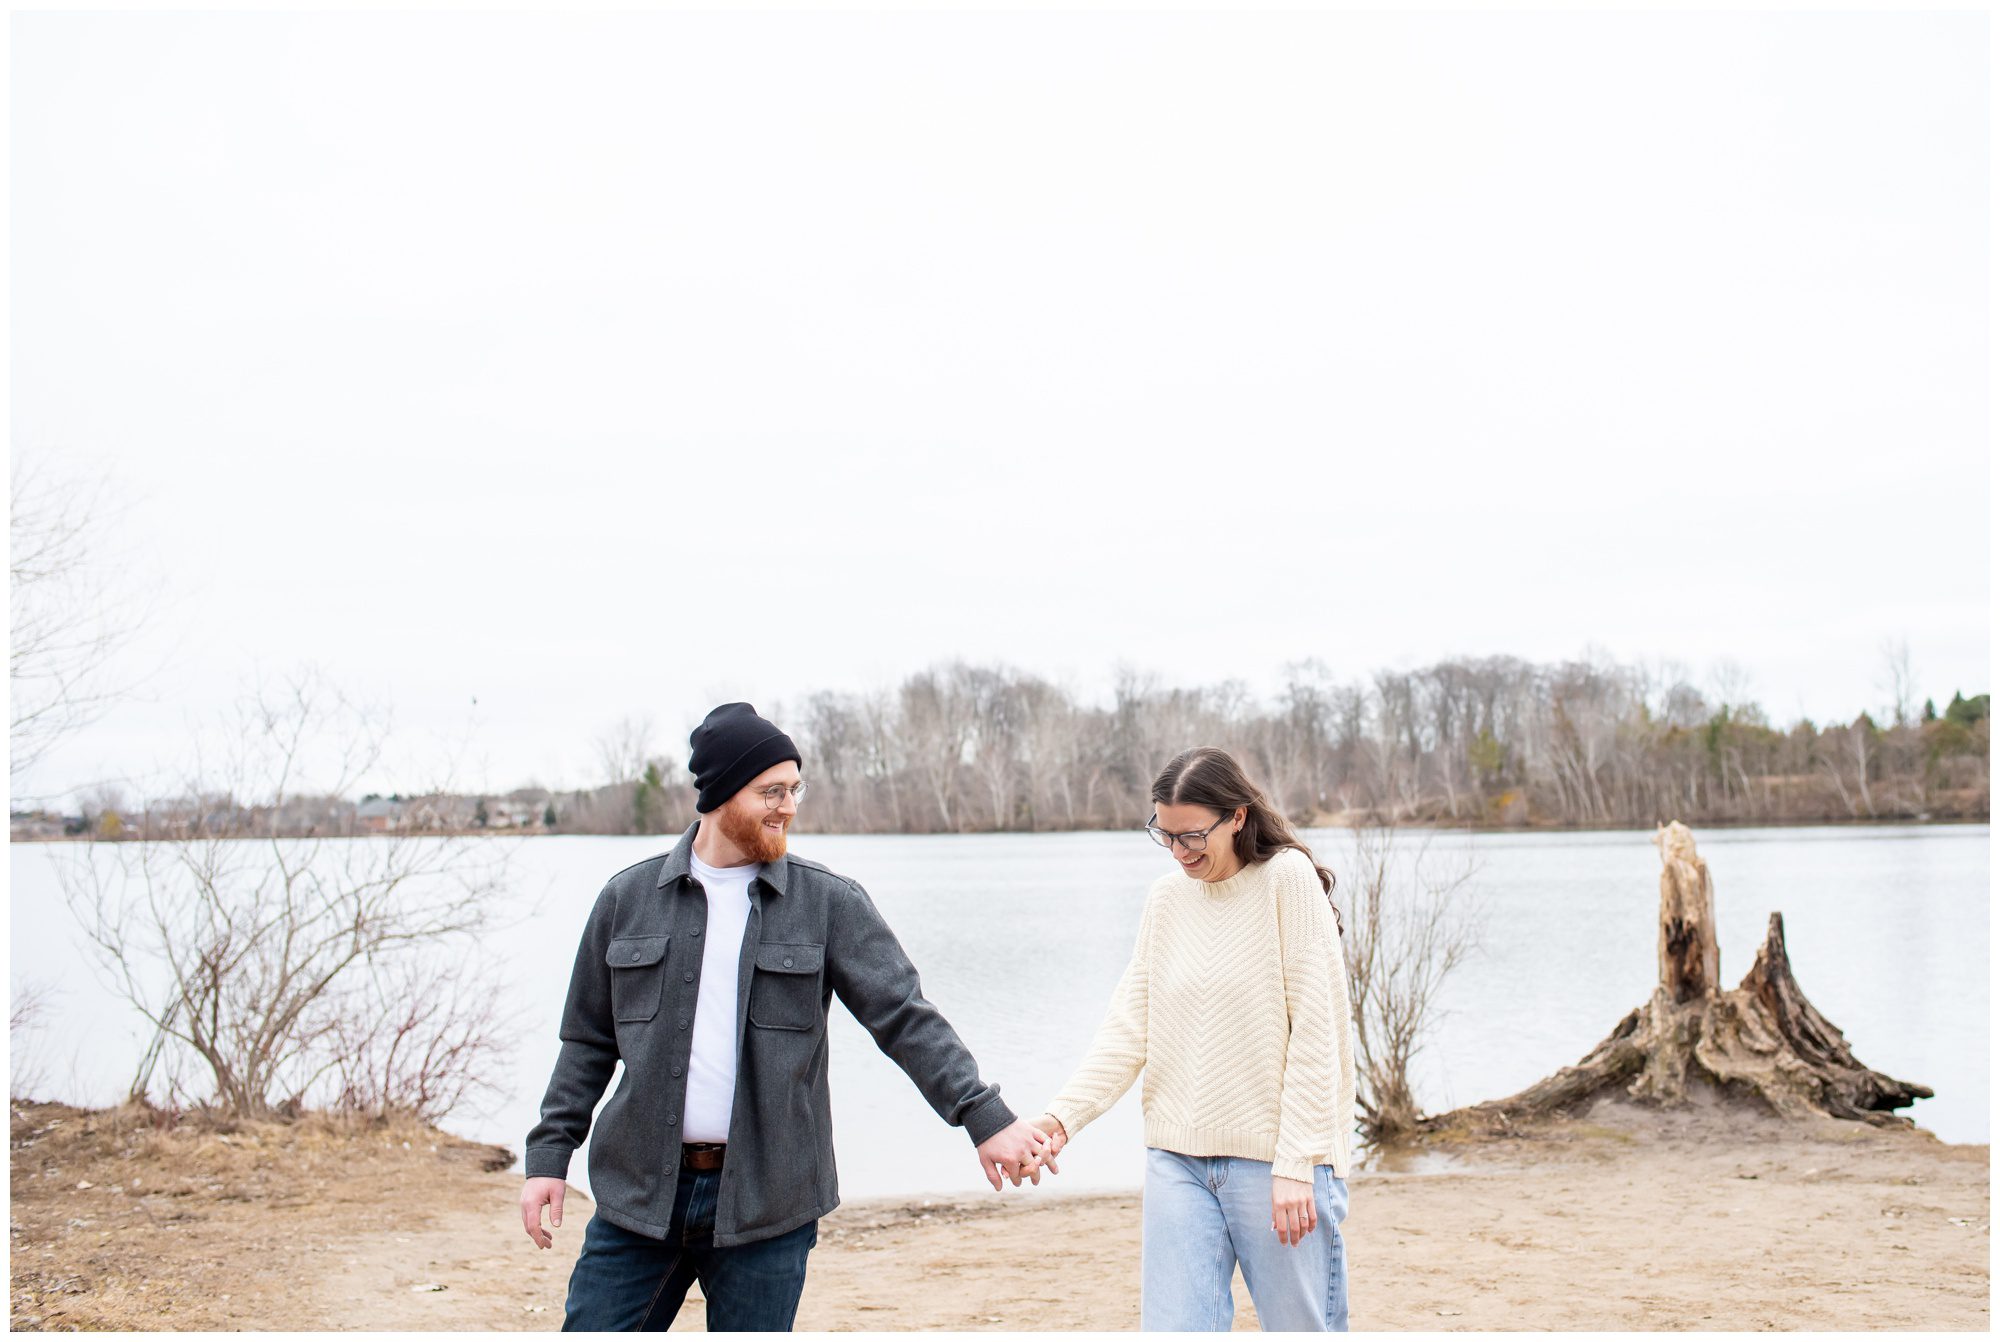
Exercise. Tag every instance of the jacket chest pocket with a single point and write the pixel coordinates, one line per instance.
(784, 989)
(638, 976)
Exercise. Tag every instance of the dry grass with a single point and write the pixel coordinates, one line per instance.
(138, 1218)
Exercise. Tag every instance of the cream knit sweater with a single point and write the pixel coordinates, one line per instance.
(1235, 1005)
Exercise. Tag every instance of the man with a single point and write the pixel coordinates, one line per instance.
(708, 971)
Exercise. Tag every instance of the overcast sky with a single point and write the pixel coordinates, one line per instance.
(630, 363)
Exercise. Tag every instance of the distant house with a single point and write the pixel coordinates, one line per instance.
(448, 813)
(211, 814)
(509, 814)
(439, 813)
(31, 825)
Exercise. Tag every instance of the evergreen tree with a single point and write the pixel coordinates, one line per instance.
(1965, 711)
(649, 802)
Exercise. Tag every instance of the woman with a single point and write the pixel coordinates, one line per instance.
(1235, 1006)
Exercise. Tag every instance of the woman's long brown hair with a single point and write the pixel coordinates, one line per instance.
(1211, 777)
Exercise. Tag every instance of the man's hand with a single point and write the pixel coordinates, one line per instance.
(1017, 1151)
(1293, 1214)
(536, 1194)
(1051, 1127)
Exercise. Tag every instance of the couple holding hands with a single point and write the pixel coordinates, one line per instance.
(708, 972)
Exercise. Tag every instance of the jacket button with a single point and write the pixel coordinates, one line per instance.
(673, 1119)
(695, 933)
(788, 962)
(676, 1069)
(684, 1022)
(635, 956)
(687, 978)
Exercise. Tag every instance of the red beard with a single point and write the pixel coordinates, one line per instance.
(747, 832)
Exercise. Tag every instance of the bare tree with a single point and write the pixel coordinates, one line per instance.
(27, 1009)
(1410, 923)
(1730, 682)
(994, 699)
(831, 737)
(1845, 755)
(246, 949)
(106, 810)
(938, 730)
(1901, 748)
(71, 609)
(1052, 745)
(1398, 751)
(625, 748)
(1897, 681)
(886, 752)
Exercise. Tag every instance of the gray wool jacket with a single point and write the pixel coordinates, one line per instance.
(632, 994)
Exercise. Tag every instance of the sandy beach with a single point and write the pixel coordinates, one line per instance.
(1623, 1219)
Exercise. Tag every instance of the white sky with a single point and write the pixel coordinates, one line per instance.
(628, 363)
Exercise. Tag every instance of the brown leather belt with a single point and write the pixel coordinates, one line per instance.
(702, 1155)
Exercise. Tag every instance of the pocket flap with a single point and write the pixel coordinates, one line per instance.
(788, 958)
(635, 952)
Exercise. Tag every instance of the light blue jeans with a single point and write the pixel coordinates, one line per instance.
(1203, 1215)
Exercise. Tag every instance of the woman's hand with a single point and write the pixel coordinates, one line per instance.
(1293, 1215)
(1052, 1128)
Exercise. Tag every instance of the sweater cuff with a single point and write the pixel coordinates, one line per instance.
(547, 1162)
(1292, 1169)
(988, 1119)
(1073, 1120)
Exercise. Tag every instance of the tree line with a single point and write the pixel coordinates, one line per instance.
(1495, 741)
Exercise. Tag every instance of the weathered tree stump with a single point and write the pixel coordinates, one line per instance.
(1690, 964)
(1760, 1041)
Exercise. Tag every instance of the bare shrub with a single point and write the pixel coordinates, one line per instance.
(1412, 919)
(250, 953)
(421, 1042)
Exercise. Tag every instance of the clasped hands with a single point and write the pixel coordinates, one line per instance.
(1022, 1150)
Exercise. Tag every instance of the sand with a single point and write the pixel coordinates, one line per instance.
(1625, 1219)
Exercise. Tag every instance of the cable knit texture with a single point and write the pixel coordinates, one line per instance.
(1235, 1007)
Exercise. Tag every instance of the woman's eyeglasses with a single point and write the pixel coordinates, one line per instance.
(1194, 841)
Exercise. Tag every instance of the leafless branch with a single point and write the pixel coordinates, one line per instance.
(72, 608)
(1412, 920)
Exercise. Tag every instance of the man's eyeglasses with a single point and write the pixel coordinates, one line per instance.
(774, 795)
(1195, 840)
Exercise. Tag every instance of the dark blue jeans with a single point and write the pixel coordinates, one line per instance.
(624, 1281)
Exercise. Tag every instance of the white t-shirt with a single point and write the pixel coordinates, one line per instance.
(711, 1091)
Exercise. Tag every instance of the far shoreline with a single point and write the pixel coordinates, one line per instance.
(1877, 822)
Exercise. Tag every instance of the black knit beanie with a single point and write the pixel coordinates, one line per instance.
(732, 746)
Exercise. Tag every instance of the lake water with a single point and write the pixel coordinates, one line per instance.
(1020, 939)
